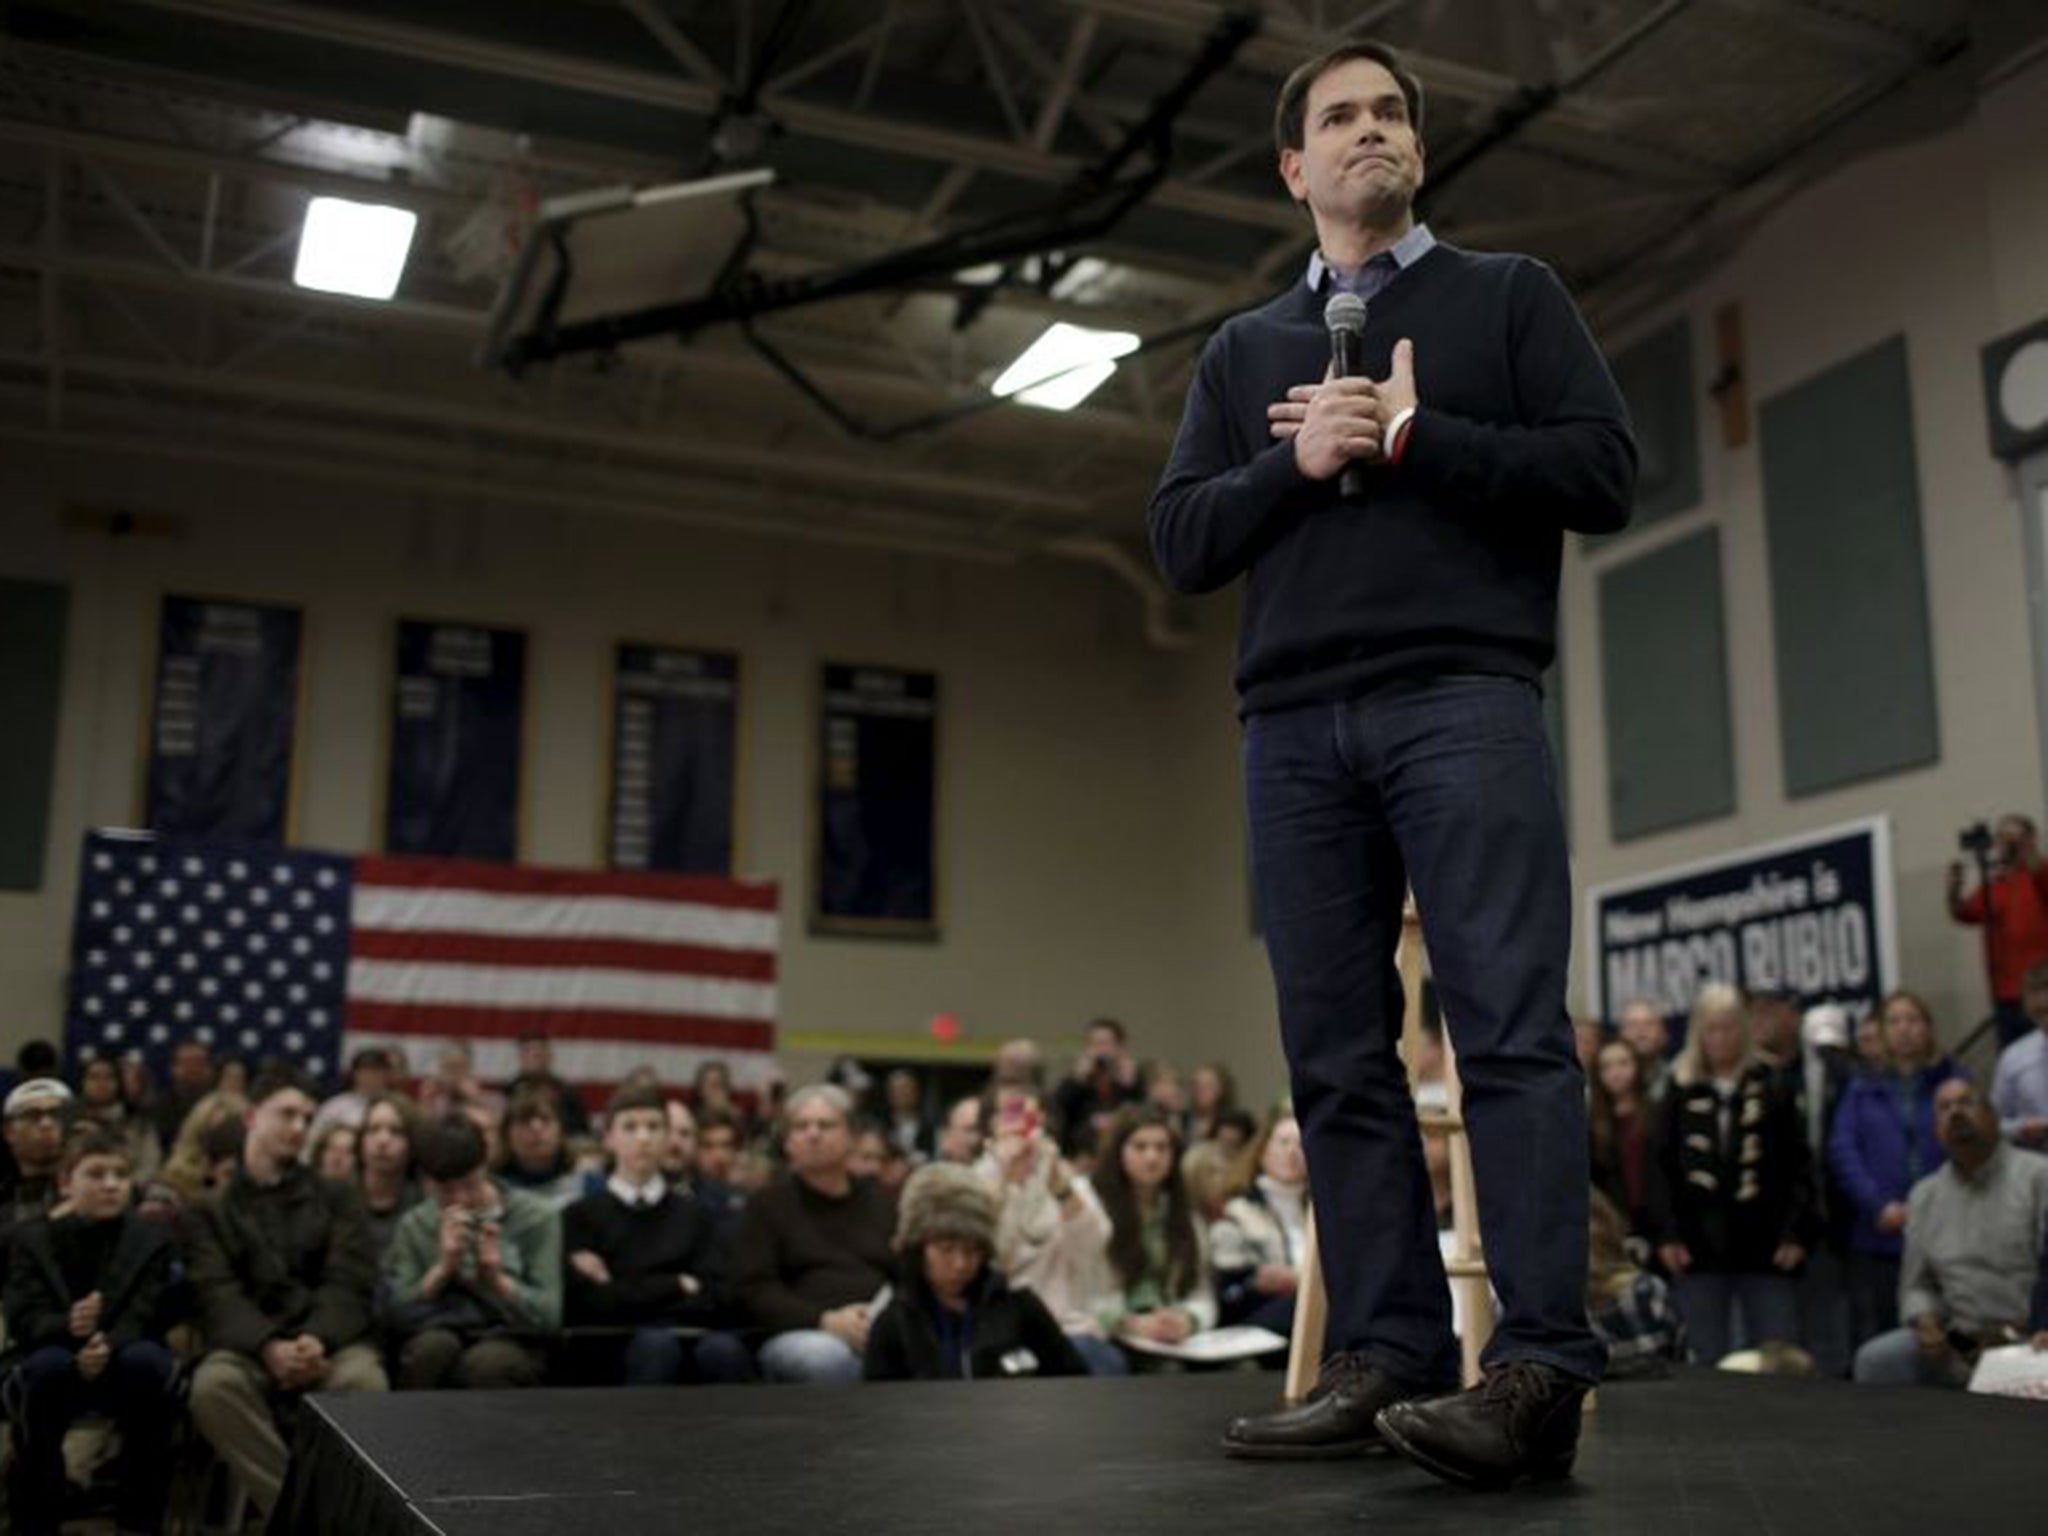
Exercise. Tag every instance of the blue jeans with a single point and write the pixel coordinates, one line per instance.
(1100, 1355)
(1769, 1304)
(134, 1391)
(811, 1355)
(1446, 784)
(658, 1357)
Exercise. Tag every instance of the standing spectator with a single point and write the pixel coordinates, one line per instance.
(1644, 1026)
(908, 1126)
(1734, 1208)
(1883, 1143)
(954, 1317)
(534, 1154)
(814, 1248)
(1257, 1248)
(1104, 1079)
(2019, 1089)
(282, 1268)
(101, 1101)
(1051, 1232)
(1212, 1094)
(191, 1079)
(384, 1156)
(1974, 1271)
(1623, 1125)
(648, 1255)
(1157, 1275)
(1871, 1054)
(35, 1117)
(456, 1086)
(82, 1309)
(1017, 1065)
(370, 1074)
(537, 1072)
(2013, 906)
(471, 1268)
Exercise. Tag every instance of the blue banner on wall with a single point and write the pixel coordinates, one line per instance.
(223, 719)
(877, 803)
(457, 704)
(675, 748)
(1813, 917)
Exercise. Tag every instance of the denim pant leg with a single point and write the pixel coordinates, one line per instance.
(654, 1358)
(1100, 1355)
(1705, 1299)
(1770, 1309)
(719, 1357)
(1465, 773)
(52, 1394)
(1330, 886)
(810, 1355)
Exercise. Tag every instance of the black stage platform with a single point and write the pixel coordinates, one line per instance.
(1695, 1456)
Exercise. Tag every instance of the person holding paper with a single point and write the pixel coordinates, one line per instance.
(1155, 1281)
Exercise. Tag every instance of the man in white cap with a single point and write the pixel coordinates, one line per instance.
(35, 1114)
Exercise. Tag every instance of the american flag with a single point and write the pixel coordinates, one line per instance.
(311, 956)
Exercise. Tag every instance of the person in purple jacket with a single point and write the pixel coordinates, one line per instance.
(1883, 1143)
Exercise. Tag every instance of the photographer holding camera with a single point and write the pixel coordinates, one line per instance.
(2011, 902)
(1104, 1080)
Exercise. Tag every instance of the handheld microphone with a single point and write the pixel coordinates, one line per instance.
(1344, 317)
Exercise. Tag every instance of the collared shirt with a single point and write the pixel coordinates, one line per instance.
(650, 1193)
(1973, 1245)
(1380, 270)
(2019, 1089)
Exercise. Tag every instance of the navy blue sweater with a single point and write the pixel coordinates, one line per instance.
(1450, 564)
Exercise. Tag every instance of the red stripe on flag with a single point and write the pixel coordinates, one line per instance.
(430, 945)
(560, 1024)
(526, 880)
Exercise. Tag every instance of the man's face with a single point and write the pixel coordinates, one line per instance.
(636, 1138)
(1103, 1045)
(1644, 1028)
(277, 1126)
(536, 1140)
(471, 1192)
(536, 1059)
(2015, 841)
(35, 1136)
(98, 1186)
(454, 1068)
(1963, 1122)
(191, 1069)
(2036, 1000)
(869, 1148)
(372, 1078)
(1360, 160)
(818, 1142)
(716, 1149)
(682, 1137)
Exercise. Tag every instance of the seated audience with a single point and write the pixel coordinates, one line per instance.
(36, 1058)
(1882, 1144)
(648, 1254)
(906, 1123)
(1210, 1174)
(1256, 1249)
(2019, 1089)
(282, 1267)
(1051, 1233)
(679, 1165)
(471, 1269)
(1154, 1285)
(332, 1152)
(537, 1073)
(1733, 1208)
(534, 1154)
(35, 1117)
(385, 1172)
(1212, 1093)
(814, 1248)
(1622, 1121)
(954, 1317)
(371, 1074)
(1166, 1089)
(961, 1135)
(455, 1085)
(1236, 1129)
(711, 1094)
(102, 1101)
(233, 1076)
(718, 1146)
(1629, 1307)
(1017, 1065)
(1643, 1025)
(82, 1304)
(1975, 1272)
(1103, 1080)
(191, 1079)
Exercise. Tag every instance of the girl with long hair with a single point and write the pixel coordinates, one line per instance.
(1157, 1283)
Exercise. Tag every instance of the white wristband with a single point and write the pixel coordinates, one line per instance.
(1401, 419)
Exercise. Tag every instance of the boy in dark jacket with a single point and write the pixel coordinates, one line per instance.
(83, 1291)
(955, 1317)
(649, 1255)
(282, 1266)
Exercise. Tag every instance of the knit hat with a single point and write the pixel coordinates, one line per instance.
(36, 1093)
(946, 1200)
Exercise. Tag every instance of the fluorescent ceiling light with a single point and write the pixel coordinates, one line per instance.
(1064, 366)
(354, 248)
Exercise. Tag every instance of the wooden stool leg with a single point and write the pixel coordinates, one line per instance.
(1311, 1315)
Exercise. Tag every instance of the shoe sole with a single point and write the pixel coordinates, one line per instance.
(1239, 1450)
(1464, 1479)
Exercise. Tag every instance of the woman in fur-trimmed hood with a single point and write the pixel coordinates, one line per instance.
(953, 1316)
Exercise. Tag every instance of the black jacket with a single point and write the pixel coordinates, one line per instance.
(1732, 1203)
(272, 1262)
(647, 1251)
(1011, 1334)
(132, 1285)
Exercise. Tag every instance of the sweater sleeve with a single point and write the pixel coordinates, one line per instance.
(537, 1288)
(230, 1317)
(757, 1272)
(36, 1315)
(1211, 515)
(1919, 1286)
(136, 1319)
(1571, 460)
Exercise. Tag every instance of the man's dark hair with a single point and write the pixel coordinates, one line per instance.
(38, 1058)
(1290, 116)
(94, 1141)
(451, 1148)
(1115, 1028)
(372, 1056)
(193, 1043)
(637, 1096)
(276, 1077)
(1240, 1120)
(716, 1120)
(223, 1139)
(535, 1037)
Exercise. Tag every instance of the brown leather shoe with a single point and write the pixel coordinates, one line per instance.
(1335, 1420)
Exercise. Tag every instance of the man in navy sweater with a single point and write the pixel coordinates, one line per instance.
(1393, 735)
